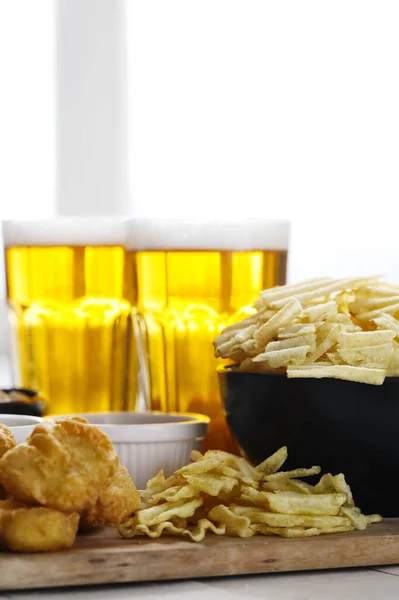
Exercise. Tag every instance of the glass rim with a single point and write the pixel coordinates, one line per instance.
(207, 234)
(65, 231)
(150, 234)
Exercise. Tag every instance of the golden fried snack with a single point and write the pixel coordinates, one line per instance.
(7, 442)
(64, 464)
(35, 529)
(115, 504)
(224, 494)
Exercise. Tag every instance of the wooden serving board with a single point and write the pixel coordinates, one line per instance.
(102, 557)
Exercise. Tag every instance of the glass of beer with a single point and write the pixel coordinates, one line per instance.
(66, 282)
(194, 279)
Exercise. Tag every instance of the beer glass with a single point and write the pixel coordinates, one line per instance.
(194, 279)
(66, 282)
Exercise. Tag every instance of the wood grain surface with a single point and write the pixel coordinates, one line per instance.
(102, 557)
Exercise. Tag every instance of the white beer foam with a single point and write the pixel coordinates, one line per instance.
(154, 234)
(65, 232)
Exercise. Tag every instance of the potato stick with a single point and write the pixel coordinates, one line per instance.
(235, 327)
(321, 311)
(269, 329)
(339, 285)
(387, 322)
(365, 338)
(367, 354)
(245, 334)
(370, 316)
(357, 374)
(334, 358)
(293, 342)
(378, 289)
(285, 291)
(282, 358)
(361, 305)
(324, 346)
(295, 330)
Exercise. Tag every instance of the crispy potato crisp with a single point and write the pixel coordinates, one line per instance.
(224, 494)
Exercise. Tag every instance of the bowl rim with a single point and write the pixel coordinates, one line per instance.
(228, 370)
(4, 417)
(195, 427)
(192, 418)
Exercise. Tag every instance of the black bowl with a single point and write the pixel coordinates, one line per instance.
(345, 427)
(22, 401)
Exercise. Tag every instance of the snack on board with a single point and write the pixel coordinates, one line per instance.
(64, 464)
(71, 469)
(224, 494)
(7, 442)
(116, 502)
(35, 528)
(338, 328)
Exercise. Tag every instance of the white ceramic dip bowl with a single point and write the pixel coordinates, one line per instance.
(148, 442)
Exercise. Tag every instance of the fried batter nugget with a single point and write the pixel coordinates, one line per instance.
(64, 464)
(7, 442)
(115, 504)
(35, 528)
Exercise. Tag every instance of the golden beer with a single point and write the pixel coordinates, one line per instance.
(192, 281)
(69, 313)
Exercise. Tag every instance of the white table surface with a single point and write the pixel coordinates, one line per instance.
(381, 583)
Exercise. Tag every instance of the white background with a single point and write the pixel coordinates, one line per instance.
(233, 107)
(27, 108)
(209, 108)
(285, 108)
(27, 120)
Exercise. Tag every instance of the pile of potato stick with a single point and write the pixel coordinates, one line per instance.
(339, 328)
